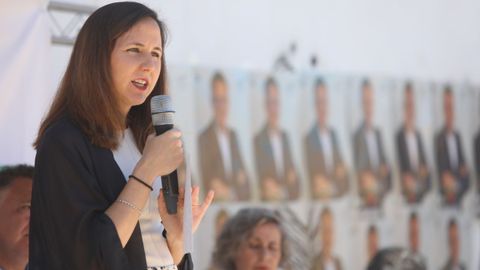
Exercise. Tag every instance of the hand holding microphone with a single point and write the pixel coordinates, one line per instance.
(162, 154)
(162, 119)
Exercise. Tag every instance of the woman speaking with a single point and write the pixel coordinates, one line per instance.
(94, 200)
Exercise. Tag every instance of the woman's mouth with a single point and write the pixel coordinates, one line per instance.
(140, 84)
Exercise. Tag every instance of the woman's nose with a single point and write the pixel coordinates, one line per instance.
(148, 63)
(263, 254)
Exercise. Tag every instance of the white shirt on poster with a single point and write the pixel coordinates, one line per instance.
(452, 150)
(412, 148)
(277, 148)
(225, 151)
(372, 148)
(327, 148)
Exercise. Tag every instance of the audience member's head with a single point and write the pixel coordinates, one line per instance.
(15, 198)
(414, 233)
(453, 241)
(409, 105)
(367, 102)
(252, 239)
(372, 242)
(327, 232)
(220, 99)
(448, 108)
(321, 102)
(272, 102)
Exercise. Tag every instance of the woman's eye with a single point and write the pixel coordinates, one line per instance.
(255, 246)
(133, 50)
(156, 54)
(273, 248)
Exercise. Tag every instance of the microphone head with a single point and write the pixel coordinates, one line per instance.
(162, 110)
(161, 104)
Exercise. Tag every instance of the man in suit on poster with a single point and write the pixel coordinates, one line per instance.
(414, 237)
(453, 262)
(326, 168)
(276, 172)
(414, 172)
(373, 170)
(451, 164)
(221, 163)
(326, 260)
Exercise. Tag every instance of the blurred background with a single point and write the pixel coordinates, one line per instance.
(289, 65)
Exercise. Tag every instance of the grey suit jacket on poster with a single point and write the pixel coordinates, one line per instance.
(315, 159)
(211, 163)
(362, 160)
(444, 165)
(265, 164)
(405, 165)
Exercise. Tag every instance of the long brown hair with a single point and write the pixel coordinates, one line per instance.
(86, 93)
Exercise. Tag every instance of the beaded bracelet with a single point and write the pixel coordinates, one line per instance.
(129, 204)
(141, 181)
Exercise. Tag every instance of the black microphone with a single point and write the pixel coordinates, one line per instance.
(162, 119)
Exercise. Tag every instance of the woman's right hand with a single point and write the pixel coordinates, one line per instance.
(161, 155)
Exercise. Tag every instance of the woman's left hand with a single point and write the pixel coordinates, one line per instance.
(174, 223)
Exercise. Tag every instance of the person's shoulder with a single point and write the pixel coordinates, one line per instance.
(311, 134)
(206, 132)
(233, 133)
(332, 131)
(457, 134)
(359, 131)
(400, 131)
(63, 131)
(284, 135)
(259, 136)
(441, 132)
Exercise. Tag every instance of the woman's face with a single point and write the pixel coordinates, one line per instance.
(136, 63)
(262, 250)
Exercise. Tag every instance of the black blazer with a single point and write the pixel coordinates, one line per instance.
(74, 183)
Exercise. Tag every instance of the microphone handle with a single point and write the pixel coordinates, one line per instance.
(170, 181)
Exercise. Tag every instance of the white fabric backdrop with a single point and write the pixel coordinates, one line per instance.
(24, 77)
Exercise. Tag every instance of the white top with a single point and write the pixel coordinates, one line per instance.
(412, 149)
(372, 148)
(277, 149)
(225, 151)
(156, 249)
(452, 150)
(327, 148)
